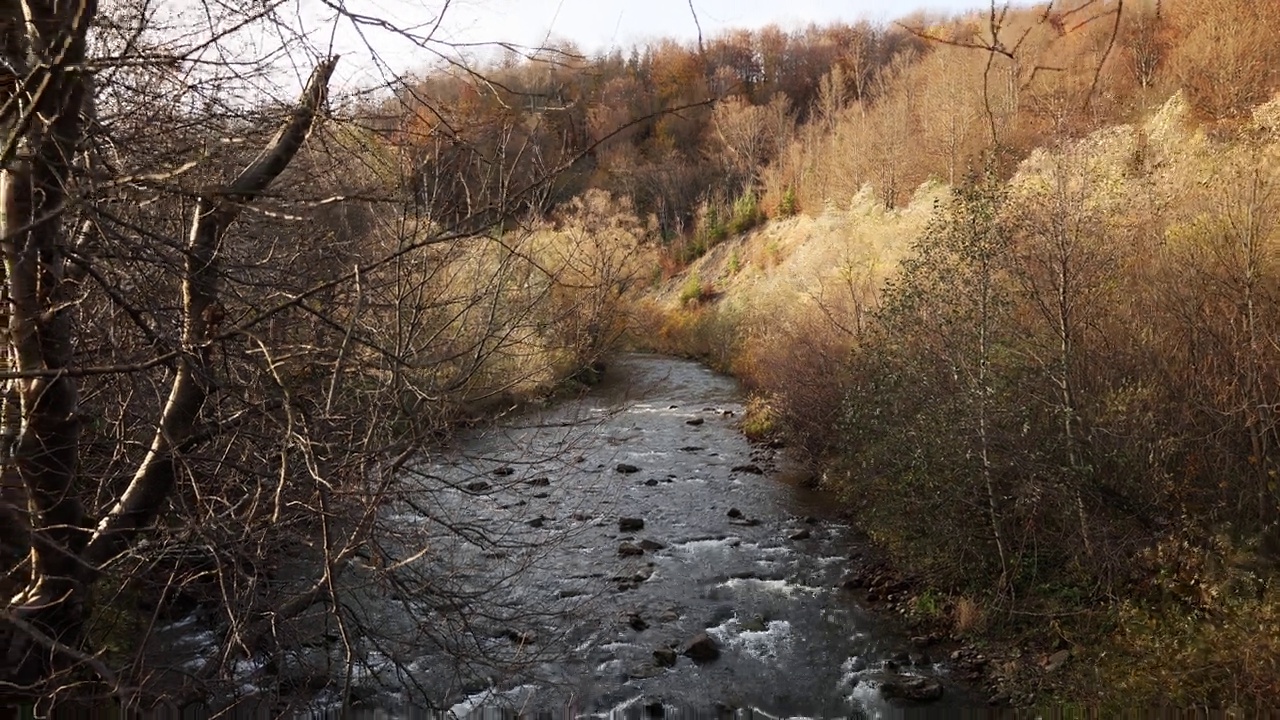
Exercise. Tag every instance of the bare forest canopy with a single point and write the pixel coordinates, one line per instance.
(795, 119)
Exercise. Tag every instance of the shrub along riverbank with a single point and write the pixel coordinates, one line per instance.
(1048, 394)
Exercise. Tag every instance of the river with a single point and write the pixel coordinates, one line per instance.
(540, 591)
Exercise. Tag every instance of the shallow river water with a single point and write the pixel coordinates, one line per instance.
(521, 525)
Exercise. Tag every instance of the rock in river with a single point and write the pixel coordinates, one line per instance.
(702, 648)
(628, 524)
(911, 689)
(629, 550)
(749, 468)
(694, 421)
(644, 672)
(626, 469)
(526, 637)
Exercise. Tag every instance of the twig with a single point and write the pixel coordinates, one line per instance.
(701, 50)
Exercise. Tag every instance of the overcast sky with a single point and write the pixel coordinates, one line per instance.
(598, 24)
(591, 25)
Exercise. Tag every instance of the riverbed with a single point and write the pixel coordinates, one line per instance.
(564, 560)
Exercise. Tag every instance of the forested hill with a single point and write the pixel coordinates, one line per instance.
(796, 119)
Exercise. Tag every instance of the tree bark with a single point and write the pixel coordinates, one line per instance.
(43, 124)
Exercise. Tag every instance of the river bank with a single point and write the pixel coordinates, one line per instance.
(1002, 667)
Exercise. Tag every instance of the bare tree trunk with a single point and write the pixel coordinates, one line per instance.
(42, 628)
(1258, 411)
(213, 215)
(984, 393)
(1065, 241)
(42, 125)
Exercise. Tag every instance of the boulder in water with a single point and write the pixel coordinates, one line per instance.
(626, 469)
(629, 550)
(702, 648)
(628, 524)
(643, 672)
(911, 689)
(526, 637)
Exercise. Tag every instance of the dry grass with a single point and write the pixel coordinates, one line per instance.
(967, 616)
(790, 300)
(759, 421)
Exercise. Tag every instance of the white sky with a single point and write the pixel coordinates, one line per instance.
(592, 25)
(598, 24)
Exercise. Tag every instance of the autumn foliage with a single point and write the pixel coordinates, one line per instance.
(1058, 409)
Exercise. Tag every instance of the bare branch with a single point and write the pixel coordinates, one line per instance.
(151, 484)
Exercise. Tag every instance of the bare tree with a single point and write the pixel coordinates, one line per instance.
(229, 323)
(46, 228)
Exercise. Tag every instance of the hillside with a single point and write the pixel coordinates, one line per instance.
(1046, 397)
